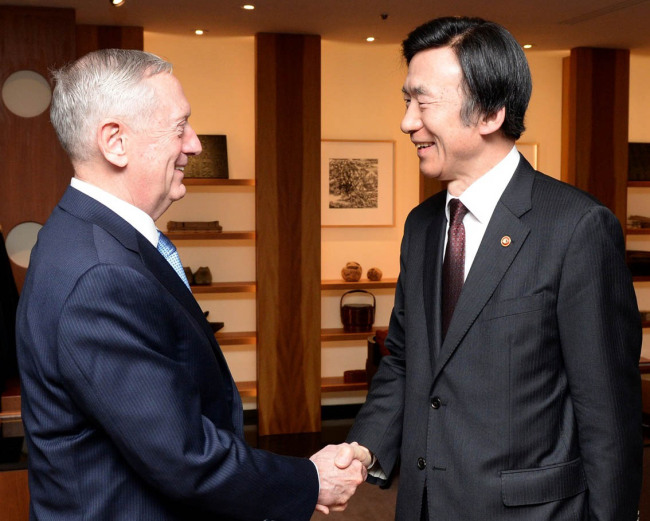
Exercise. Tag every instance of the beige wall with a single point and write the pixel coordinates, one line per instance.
(639, 198)
(361, 100)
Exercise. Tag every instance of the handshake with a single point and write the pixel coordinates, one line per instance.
(341, 469)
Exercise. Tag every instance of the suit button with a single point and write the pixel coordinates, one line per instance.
(435, 402)
(422, 463)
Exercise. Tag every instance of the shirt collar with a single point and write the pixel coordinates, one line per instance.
(140, 220)
(482, 196)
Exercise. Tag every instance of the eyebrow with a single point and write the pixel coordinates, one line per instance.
(420, 90)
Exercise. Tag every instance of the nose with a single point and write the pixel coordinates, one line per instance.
(191, 143)
(412, 120)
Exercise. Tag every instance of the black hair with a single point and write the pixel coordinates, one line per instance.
(495, 69)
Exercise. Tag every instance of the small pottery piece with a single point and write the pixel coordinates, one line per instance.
(351, 272)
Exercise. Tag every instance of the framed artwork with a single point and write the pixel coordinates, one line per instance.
(212, 162)
(357, 183)
(529, 151)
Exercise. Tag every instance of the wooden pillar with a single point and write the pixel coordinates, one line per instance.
(595, 124)
(429, 187)
(14, 495)
(287, 169)
(95, 37)
(35, 169)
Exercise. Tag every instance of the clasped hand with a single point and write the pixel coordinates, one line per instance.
(341, 468)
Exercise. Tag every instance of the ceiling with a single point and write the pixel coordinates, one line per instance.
(557, 25)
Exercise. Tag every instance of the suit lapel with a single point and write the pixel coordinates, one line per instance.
(494, 257)
(432, 276)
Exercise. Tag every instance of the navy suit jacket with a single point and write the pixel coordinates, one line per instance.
(129, 407)
(530, 409)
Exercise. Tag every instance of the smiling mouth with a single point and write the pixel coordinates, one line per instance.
(420, 146)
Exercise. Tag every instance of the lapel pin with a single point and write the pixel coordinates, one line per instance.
(505, 241)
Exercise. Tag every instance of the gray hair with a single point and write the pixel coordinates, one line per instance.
(102, 84)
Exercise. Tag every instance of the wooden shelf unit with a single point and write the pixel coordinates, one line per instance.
(638, 184)
(225, 287)
(210, 181)
(327, 335)
(208, 235)
(389, 283)
(637, 231)
(329, 384)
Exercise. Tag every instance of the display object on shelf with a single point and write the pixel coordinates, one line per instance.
(375, 274)
(194, 226)
(357, 316)
(202, 276)
(638, 221)
(638, 262)
(351, 272)
(216, 326)
(355, 376)
(638, 162)
(213, 160)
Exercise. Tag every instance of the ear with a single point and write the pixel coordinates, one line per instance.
(112, 143)
(492, 122)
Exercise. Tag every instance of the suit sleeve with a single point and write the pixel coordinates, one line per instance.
(378, 425)
(600, 335)
(125, 349)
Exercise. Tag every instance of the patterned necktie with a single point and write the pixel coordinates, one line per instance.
(453, 267)
(168, 250)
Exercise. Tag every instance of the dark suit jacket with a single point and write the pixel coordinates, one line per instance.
(130, 409)
(530, 409)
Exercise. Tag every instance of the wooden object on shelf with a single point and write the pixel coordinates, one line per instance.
(595, 124)
(212, 162)
(355, 376)
(287, 172)
(193, 226)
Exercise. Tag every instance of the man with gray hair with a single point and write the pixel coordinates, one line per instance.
(129, 406)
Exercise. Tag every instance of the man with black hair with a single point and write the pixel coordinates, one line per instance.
(512, 387)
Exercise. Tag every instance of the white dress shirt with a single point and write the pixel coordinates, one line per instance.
(481, 198)
(131, 214)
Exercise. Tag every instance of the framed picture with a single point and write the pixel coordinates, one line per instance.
(529, 151)
(357, 183)
(212, 162)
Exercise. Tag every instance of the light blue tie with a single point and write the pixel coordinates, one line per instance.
(168, 250)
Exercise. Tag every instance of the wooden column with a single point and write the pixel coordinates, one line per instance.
(595, 124)
(35, 169)
(287, 167)
(14, 495)
(95, 37)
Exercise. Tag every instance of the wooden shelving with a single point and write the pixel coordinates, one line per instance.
(638, 231)
(329, 384)
(202, 235)
(225, 287)
(337, 334)
(237, 338)
(203, 181)
(362, 284)
(638, 184)
(327, 335)
(641, 278)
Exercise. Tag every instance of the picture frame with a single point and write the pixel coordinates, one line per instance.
(357, 183)
(212, 162)
(529, 151)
